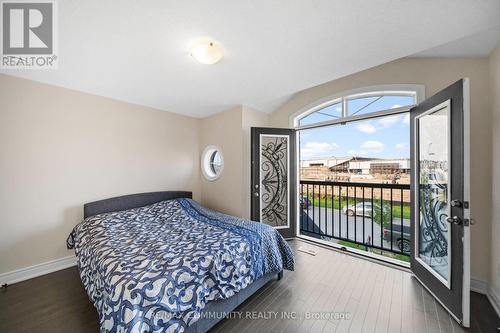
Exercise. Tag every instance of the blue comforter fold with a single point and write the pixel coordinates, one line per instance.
(155, 268)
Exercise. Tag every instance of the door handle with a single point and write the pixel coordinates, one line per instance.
(255, 194)
(454, 220)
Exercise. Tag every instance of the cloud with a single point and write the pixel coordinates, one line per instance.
(406, 119)
(366, 128)
(353, 152)
(318, 149)
(388, 121)
(373, 146)
(395, 106)
(401, 147)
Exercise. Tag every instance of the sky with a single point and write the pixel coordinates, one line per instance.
(383, 137)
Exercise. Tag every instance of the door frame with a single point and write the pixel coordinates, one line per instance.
(467, 213)
(420, 95)
(365, 254)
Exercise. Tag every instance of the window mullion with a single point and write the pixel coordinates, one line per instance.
(344, 107)
(346, 114)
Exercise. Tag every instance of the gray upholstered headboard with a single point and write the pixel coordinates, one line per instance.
(131, 201)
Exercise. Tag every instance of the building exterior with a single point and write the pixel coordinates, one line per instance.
(360, 165)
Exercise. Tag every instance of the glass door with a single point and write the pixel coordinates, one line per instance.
(440, 198)
(274, 185)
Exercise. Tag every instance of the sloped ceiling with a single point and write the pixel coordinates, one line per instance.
(480, 44)
(137, 51)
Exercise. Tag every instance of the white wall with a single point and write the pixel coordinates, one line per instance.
(61, 148)
(495, 151)
(224, 131)
(230, 131)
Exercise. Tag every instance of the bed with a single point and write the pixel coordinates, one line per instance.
(161, 262)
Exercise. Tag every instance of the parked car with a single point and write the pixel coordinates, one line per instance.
(304, 202)
(401, 241)
(357, 209)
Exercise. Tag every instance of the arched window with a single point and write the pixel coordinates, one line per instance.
(358, 104)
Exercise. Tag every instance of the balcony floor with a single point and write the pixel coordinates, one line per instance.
(376, 298)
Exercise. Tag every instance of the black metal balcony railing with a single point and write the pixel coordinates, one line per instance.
(364, 215)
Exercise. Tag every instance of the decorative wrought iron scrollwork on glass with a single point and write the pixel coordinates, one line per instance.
(433, 225)
(433, 188)
(274, 156)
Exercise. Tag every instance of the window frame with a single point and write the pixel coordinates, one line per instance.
(416, 90)
(206, 165)
(322, 106)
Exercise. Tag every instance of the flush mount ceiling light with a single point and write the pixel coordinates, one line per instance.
(207, 51)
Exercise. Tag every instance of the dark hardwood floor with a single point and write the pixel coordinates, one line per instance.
(368, 296)
(54, 302)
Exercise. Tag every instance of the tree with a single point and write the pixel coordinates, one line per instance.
(382, 216)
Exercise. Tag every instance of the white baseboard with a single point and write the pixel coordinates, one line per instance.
(482, 287)
(479, 286)
(37, 270)
(494, 299)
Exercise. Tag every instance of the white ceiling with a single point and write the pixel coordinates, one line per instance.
(477, 45)
(137, 51)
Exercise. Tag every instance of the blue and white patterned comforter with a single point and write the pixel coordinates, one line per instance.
(153, 269)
